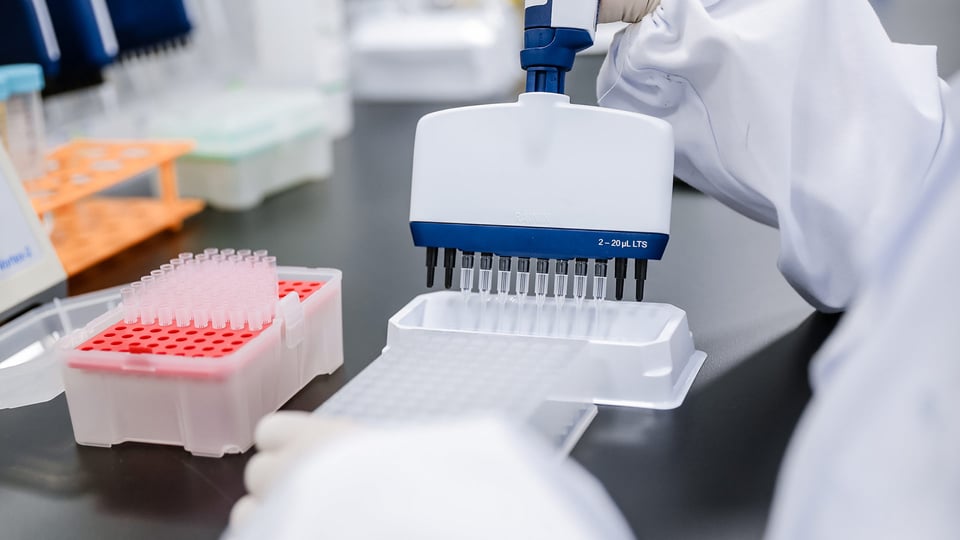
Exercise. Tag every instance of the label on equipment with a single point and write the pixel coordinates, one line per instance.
(18, 246)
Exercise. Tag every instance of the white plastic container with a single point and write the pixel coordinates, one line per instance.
(250, 143)
(208, 405)
(631, 354)
(451, 355)
(25, 139)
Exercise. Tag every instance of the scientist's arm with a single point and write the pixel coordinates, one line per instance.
(800, 114)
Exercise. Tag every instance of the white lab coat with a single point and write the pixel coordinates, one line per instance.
(802, 115)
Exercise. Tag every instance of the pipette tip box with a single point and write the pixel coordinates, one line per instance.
(203, 388)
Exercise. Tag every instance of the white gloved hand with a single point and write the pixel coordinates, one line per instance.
(628, 11)
(282, 440)
(475, 478)
(800, 114)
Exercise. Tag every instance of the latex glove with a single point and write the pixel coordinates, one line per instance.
(470, 479)
(282, 440)
(628, 11)
(800, 114)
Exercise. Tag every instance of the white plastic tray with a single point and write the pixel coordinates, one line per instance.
(450, 355)
(617, 353)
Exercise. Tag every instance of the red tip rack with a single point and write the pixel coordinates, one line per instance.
(198, 367)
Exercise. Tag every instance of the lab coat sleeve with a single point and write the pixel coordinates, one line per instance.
(800, 114)
(469, 479)
(877, 452)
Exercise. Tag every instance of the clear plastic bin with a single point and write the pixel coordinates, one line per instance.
(208, 404)
(250, 143)
(25, 139)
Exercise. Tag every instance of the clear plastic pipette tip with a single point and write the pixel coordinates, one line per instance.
(131, 311)
(486, 273)
(466, 280)
(503, 277)
(560, 281)
(600, 279)
(164, 315)
(580, 281)
(560, 288)
(579, 288)
(194, 289)
(503, 283)
(466, 272)
(599, 288)
(523, 277)
(540, 285)
(486, 281)
(523, 284)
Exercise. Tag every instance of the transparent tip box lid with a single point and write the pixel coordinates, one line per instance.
(28, 368)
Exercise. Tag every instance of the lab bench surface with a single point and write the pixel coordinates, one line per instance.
(705, 470)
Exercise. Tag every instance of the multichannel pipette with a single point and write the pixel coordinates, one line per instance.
(575, 190)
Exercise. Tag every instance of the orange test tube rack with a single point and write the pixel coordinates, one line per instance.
(87, 228)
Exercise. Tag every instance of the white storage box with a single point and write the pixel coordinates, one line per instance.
(202, 389)
(250, 143)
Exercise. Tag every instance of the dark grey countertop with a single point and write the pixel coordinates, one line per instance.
(705, 470)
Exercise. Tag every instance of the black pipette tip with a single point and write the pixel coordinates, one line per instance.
(640, 273)
(620, 274)
(486, 261)
(580, 268)
(449, 262)
(432, 254)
